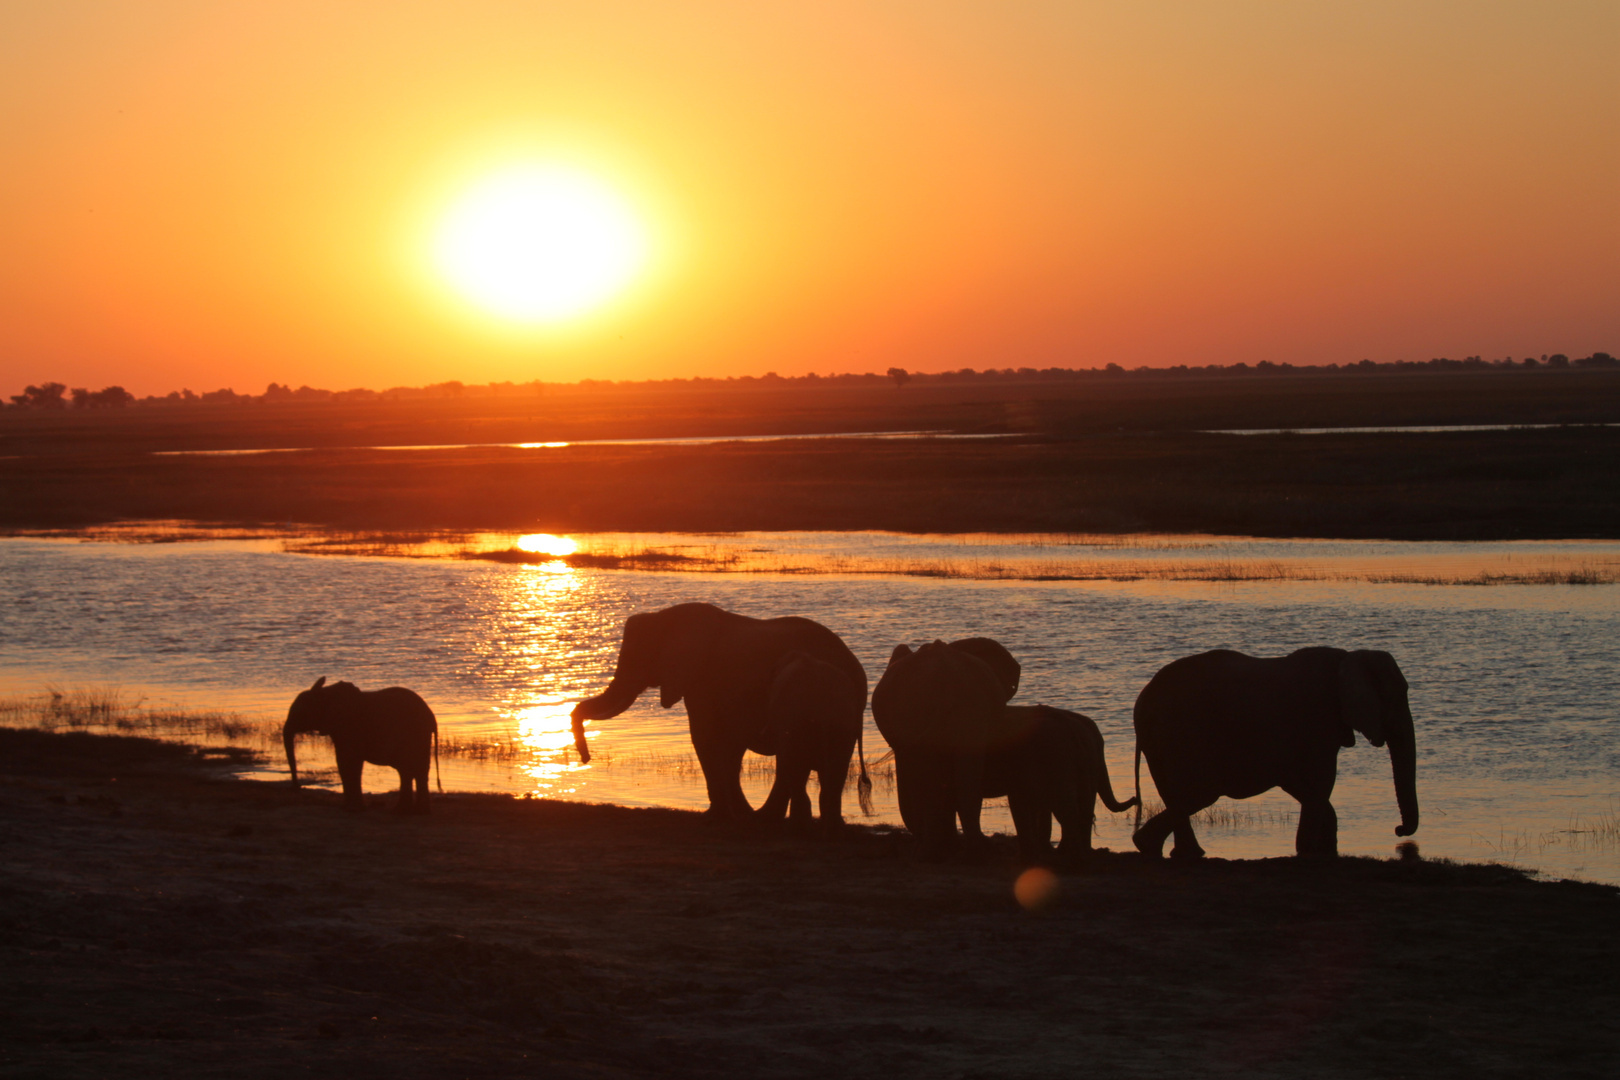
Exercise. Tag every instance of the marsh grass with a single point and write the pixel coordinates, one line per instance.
(1095, 558)
(108, 710)
(1228, 814)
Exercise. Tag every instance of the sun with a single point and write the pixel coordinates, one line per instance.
(540, 244)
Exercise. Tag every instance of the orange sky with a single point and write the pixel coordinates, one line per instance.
(210, 194)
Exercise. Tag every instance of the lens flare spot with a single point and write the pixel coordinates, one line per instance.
(1036, 888)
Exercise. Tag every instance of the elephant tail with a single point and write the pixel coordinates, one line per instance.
(436, 777)
(1105, 792)
(1138, 798)
(863, 786)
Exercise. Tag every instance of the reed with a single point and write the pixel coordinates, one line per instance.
(1231, 815)
(107, 709)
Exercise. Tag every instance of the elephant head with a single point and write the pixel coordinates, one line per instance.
(660, 648)
(941, 709)
(1373, 701)
(322, 710)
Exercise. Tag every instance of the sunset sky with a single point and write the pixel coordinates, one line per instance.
(225, 194)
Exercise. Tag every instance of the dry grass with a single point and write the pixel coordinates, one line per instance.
(108, 710)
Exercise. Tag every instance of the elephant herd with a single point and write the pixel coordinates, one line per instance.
(1218, 723)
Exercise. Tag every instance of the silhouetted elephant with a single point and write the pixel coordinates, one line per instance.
(1050, 764)
(1222, 723)
(941, 710)
(722, 664)
(810, 724)
(392, 727)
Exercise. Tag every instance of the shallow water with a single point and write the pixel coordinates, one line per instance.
(1514, 686)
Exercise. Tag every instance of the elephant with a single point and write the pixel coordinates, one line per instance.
(1222, 723)
(941, 709)
(810, 725)
(723, 665)
(1051, 764)
(393, 727)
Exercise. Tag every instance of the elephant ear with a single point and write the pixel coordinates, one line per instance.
(320, 682)
(1359, 701)
(682, 652)
(995, 656)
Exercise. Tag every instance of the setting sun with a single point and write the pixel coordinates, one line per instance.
(540, 244)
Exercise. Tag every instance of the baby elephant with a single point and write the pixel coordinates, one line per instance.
(1051, 765)
(391, 727)
(812, 724)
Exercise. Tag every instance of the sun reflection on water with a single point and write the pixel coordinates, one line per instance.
(546, 730)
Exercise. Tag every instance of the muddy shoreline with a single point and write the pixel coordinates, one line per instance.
(162, 918)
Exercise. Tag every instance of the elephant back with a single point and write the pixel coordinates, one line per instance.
(940, 698)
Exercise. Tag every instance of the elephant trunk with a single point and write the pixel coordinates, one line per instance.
(620, 695)
(579, 738)
(1403, 762)
(287, 737)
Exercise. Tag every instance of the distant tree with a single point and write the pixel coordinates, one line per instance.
(1597, 359)
(111, 397)
(900, 376)
(47, 396)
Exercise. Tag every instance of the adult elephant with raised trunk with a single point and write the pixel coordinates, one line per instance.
(723, 665)
(1223, 723)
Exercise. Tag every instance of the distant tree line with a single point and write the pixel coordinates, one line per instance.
(55, 395)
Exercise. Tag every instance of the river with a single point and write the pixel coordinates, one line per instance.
(1514, 686)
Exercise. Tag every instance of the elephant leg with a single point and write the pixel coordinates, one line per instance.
(832, 773)
(403, 805)
(722, 775)
(1032, 819)
(968, 777)
(1186, 845)
(419, 804)
(787, 795)
(1318, 832)
(922, 781)
(1078, 817)
(350, 764)
(1150, 838)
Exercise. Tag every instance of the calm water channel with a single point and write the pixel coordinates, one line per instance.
(1514, 686)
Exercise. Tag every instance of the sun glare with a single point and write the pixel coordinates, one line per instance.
(540, 244)
(547, 544)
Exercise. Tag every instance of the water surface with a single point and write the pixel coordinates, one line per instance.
(1514, 686)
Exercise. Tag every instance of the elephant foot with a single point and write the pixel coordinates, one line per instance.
(1148, 847)
(1186, 852)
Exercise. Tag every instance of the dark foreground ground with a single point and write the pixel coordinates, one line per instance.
(158, 919)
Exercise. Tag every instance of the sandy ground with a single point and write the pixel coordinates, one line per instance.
(159, 918)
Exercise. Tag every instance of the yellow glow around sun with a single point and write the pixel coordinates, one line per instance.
(540, 244)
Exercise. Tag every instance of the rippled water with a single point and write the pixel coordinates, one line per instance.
(1514, 686)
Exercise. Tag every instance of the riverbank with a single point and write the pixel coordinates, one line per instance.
(161, 918)
(1104, 456)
